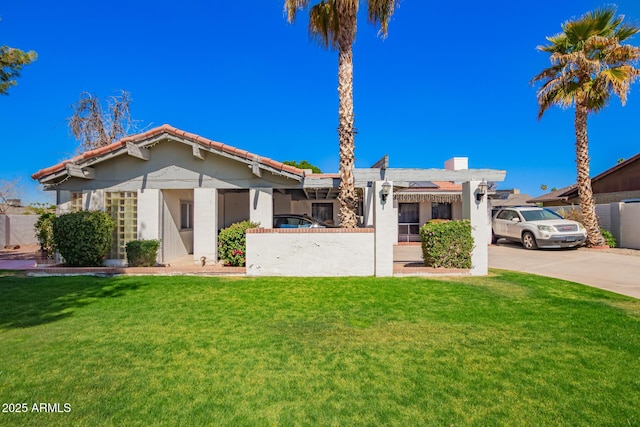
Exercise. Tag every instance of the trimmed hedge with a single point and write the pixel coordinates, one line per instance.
(232, 243)
(142, 253)
(83, 238)
(447, 244)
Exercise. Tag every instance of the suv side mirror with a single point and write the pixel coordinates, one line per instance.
(515, 219)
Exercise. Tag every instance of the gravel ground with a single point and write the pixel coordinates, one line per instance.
(619, 251)
(23, 252)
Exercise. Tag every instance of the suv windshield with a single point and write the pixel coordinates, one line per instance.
(539, 215)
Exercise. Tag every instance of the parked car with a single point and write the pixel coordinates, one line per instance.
(537, 228)
(297, 221)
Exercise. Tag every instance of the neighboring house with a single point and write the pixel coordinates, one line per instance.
(182, 188)
(621, 182)
(509, 198)
(13, 207)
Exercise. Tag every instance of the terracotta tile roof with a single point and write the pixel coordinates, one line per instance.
(323, 175)
(448, 186)
(440, 186)
(169, 130)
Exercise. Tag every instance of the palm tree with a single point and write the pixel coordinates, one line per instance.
(588, 65)
(333, 24)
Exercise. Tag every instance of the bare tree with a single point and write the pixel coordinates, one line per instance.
(8, 193)
(94, 127)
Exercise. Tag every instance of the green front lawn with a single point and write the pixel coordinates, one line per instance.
(511, 349)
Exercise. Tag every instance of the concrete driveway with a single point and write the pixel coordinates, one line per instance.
(615, 270)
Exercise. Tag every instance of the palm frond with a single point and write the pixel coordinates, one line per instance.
(555, 92)
(380, 12)
(618, 80)
(291, 7)
(619, 55)
(559, 43)
(324, 24)
(624, 31)
(597, 95)
(547, 74)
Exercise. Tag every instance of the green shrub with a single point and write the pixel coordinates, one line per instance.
(447, 244)
(44, 232)
(142, 253)
(232, 243)
(83, 238)
(608, 237)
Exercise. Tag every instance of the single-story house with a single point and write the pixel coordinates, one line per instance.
(182, 188)
(509, 198)
(621, 182)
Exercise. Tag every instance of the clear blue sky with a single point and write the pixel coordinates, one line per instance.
(451, 79)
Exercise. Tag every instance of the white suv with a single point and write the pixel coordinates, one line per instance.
(537, 228)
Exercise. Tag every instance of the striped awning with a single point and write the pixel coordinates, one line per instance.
(427, 196)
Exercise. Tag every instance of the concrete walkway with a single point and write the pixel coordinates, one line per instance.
(17, 264)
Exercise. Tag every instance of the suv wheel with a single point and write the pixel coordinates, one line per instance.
(494, 238)
(529, 240)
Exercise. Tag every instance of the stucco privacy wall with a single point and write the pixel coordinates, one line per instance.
(17, 230)
(630, 225)
(310, 252)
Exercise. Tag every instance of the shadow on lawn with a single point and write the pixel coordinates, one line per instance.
(36, 301)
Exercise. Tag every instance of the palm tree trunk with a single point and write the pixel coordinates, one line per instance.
(585, 192)
(346, 129)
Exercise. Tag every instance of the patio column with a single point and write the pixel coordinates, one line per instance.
(205, 224)
(368, 208)
(149, 209)
(385, 222)
(477, 211)
(261, 206)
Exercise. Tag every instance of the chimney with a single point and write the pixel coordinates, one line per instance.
(457, 163)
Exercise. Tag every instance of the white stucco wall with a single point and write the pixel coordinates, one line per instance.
(205, 224)
(63, 205)
(173, 166)
(630, 225)
(310, 252)
(367, 209)
(261, 206)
